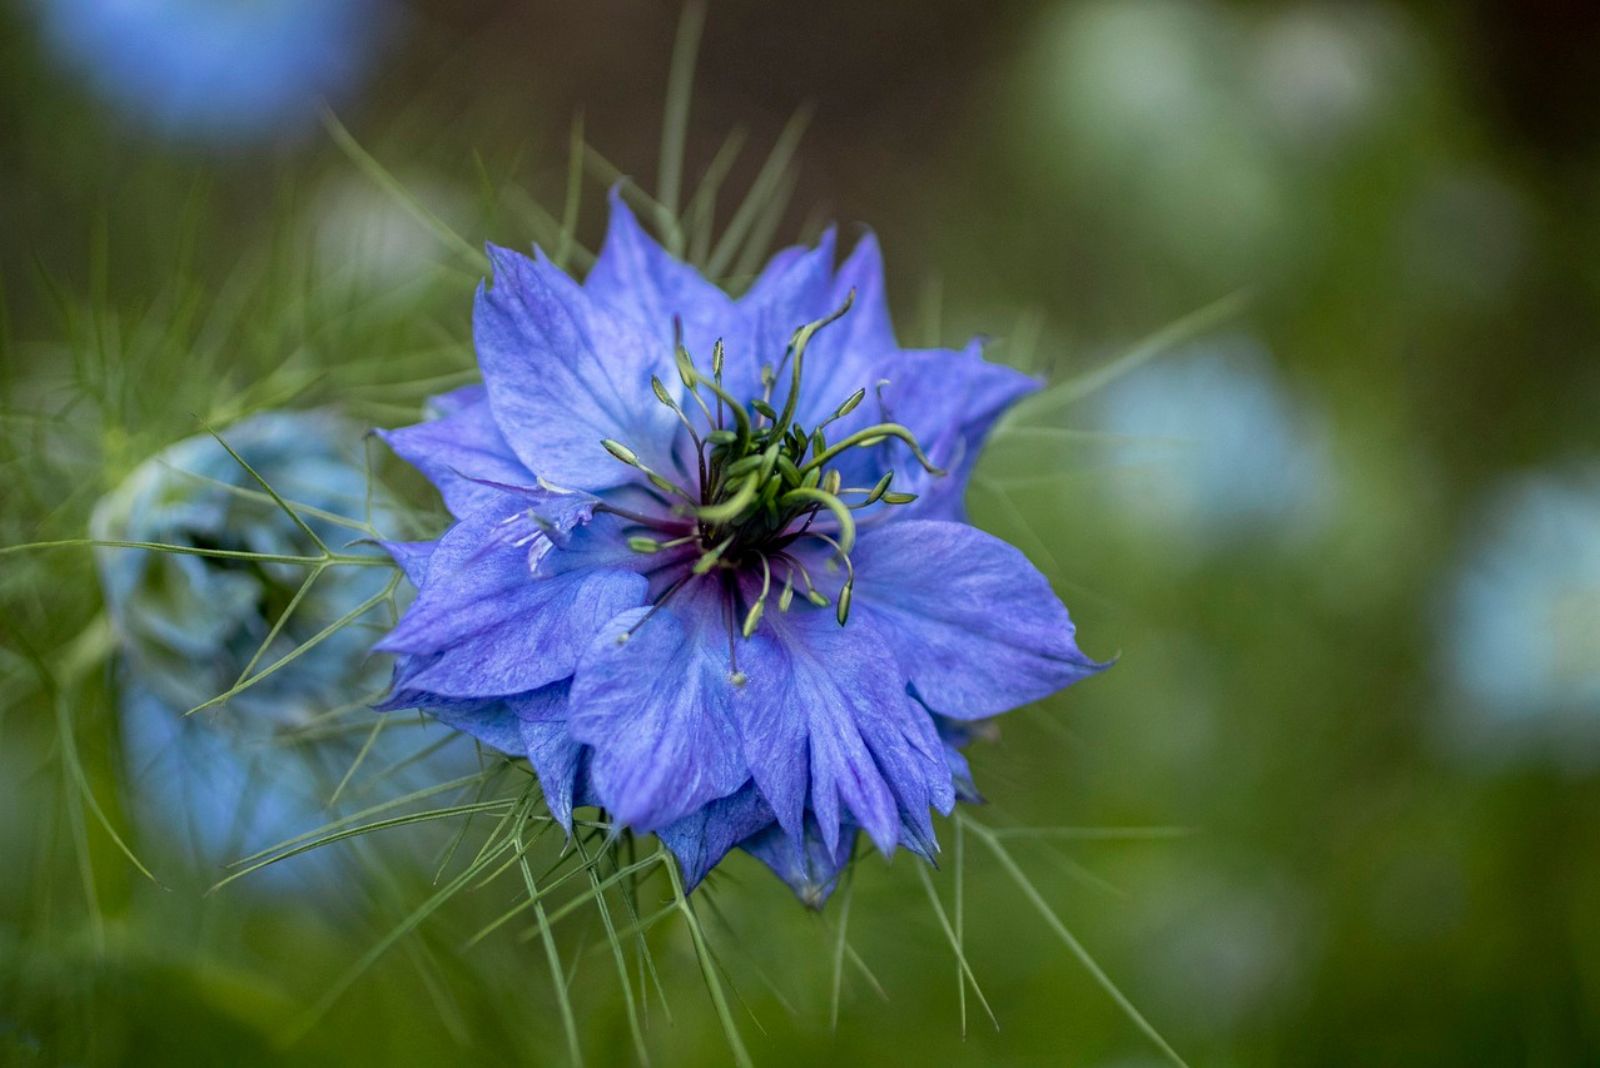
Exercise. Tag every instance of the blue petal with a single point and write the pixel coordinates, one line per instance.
(484, 625)
(855, 352)
(809, 866)
(461, 453)
(491, 722)
(701, 839)
(656, 710)
(564, 373)
(636, 277)
(795, 285)
(797, 288)
(530, 724)
(412, 556)
(975, 627)
(955, 734)
(869, 326)
(950, 400)
(825, 714)
(443, 405)
(542, 726)
(603, 542)
(211, 786)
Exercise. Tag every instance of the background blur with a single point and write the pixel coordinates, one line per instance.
(1346, 539)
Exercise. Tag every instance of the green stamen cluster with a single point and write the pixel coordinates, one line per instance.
(764, 480)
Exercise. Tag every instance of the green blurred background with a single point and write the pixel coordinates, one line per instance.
(1344, 533)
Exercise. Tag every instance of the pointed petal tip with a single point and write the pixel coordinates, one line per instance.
(617, 204)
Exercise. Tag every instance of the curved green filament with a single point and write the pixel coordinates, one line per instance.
(730, 508)
(797, 346)
(864, 437)
(847, 522)
(741, 418)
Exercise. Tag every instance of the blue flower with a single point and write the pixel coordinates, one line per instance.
(228, 71)
(1521, 634)
(188, 626)
(1223, 450)
(710, 569)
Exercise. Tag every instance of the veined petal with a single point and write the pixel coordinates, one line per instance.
(530, 724)
(564, 373)
(796, 288)
(797, 280)
(603, 542)
(701, 839)
(857, 351)
(490, 721)
(955, 734)
(655, 707)
(808, 864)
(870, 328)
(950, 399)
(412, 558)
(825, 716)
(635, 276)
(442, 405)
(552, 622)
(541, 719)
(975, 627)
(483, 625)
(460, 452)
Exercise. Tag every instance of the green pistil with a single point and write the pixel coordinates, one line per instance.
(764, 481)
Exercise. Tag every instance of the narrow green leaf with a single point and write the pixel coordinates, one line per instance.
(1054, 922)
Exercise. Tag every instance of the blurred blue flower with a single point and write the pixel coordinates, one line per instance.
(1218, 450)
(730, 610)
(215, 70)
(187, 627)
(1522, 622)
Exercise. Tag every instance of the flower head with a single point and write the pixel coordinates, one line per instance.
(1521, 623)
(189, 626)
(218, 72)
(1219, 448)
(710, 569)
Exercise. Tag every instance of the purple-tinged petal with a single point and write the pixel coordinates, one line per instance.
(975, 627)
(460, 453)
(564, 373)
(603, 543)
(910, 756)
(412, 557)
(950, 399)
(491, 722)
(655, 707)
(542, 727)
(797, 282)
(795, 289)
(809, 866)
(484, 625)
(955, 734)
(961, 772)
(444, 405)
(825, 714)
(635, 276)
(701, 839)
(537, 518)
(530, 724)
(854, 353)
(870, 327)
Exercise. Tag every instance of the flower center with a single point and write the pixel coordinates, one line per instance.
(765, 482)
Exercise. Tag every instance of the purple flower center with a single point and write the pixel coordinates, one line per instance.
(760, 485)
